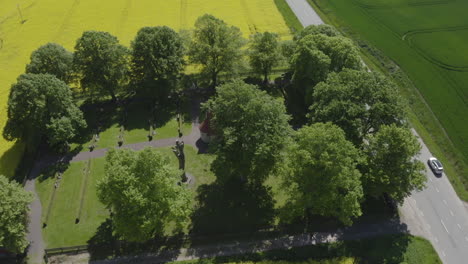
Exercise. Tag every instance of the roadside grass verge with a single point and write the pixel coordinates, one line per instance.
(351, 20)
(289, 17)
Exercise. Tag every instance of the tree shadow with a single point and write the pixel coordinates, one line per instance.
(383, 249)
(10, 160)
(99, 116)
(232, 207)
(102, 244)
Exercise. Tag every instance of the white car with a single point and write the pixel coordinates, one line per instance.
(435, 166)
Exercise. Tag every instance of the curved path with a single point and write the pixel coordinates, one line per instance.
(436, 212)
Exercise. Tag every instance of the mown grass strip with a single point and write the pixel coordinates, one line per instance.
(84, 186)
(289, 17)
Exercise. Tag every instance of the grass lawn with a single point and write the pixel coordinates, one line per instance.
(136, 127)
(61, 230)
(384, 249)
(399, 30)
(64, 21)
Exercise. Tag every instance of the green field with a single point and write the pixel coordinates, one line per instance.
(74, 189)
(427, 40)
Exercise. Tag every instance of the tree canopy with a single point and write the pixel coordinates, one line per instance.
(264, 53)
(42, 105)
(52, 59)
(142, 190)
(101, 62)
(323, 174)
(324, 29)
(252, 129)
(158, 57)
(391, 165)
(14, 201)
(216, 46)
(357, 101)
(314, 57)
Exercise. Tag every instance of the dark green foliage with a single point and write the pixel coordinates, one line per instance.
(42, 105)
(252, 129)
(216, 47)
(14, 201)
(142, 190)
(357, 101)
(323, 175)
(391, 167)
(324, 29)
(52, 59)
(102, 64)
(314, 57)
(264, 53)
(158, 59)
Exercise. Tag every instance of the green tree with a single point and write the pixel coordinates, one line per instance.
(14, 201)
(252, 129)
(216, 46)
(264, 53)
(101, 63)
(158, 58)
(315, 56)
(357, 101)
(391, 165)
(323, 174)
(142, 190)
(52, 59)
(40, 105)
(317, 29)
(309, 66)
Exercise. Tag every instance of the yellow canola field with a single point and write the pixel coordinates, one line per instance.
(63, 21)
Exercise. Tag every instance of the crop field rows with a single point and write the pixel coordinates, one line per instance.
(427, 39)
(27, 24)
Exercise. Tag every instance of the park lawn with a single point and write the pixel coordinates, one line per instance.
(442, 122)
(382, 249)
(64, 21)
(136, 127)
(62, 231)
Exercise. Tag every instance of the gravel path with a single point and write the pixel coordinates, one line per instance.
(304, 12)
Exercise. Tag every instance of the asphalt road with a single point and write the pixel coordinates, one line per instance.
(439, 215)
(436, 212)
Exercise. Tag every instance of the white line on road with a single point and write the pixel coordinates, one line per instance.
(459, 226)
(466, 238)
(451, 213)
(437, 189)
(444, 226)
(430, 179)
(443, 253)
(437, 240)
(445, 202)
(422, 214)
